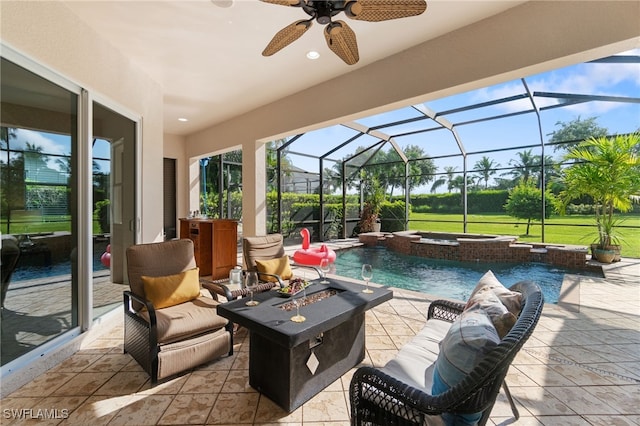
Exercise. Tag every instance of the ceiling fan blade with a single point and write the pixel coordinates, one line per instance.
(342, 41)
(284, 2)
(384, 10)
(286, 36)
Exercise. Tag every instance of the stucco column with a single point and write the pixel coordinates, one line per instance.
(254, 199)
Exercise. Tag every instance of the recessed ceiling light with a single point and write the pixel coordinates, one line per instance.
(312, 54)
(183, 119)
(223, 3)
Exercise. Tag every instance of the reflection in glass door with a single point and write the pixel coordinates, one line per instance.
(114, 204)
(46, 219)
(39, 210)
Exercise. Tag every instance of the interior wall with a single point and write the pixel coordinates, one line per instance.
(534, 37)
(50, 34)
(174, 147)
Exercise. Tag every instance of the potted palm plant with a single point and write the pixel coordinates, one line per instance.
(370, 218)
(607, 247)
(606, 169)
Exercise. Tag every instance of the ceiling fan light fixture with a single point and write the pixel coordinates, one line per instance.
(323, 12)
(222, 3)
(339, 36)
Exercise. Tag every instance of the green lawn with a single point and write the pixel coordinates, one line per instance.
(34, 227)
(578, 230)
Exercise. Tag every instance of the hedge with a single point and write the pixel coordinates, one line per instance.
(488, 201)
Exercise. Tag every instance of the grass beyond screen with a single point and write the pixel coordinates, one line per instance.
(575, 229)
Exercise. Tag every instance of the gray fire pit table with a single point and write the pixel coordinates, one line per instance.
(291, 362)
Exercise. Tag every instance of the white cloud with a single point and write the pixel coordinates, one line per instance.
(608, 79)
(49, 146)
(37, 139)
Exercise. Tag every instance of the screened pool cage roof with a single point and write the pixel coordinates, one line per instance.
(467, 123)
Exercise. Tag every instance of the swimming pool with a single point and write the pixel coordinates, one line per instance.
(23, 273)
(447, 278)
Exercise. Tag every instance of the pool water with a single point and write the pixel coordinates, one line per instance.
(446, 278)
(31, 272)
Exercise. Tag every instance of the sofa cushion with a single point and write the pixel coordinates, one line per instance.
(279, 266)
(170, 290)
(470, 337)
(192, 318)
(414, 362)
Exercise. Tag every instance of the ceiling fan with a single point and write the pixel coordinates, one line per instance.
(339, 36)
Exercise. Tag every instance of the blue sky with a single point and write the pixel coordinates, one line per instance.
(586, 79)
(57, 144)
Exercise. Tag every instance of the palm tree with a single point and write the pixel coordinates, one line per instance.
(607, 170)
(448, 179)
(457, 183)
(486, 168)
(332, 181)
(524, 167)
(551, 171)
(421, 170)
(272, 161)
(12, 174)
(34, 155)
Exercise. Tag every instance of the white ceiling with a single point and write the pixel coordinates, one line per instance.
(208, 58)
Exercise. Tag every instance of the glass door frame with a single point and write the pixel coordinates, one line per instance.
(84, 237)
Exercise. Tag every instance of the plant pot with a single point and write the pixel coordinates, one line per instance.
(377, 226)
(614, 248)
(604, 255)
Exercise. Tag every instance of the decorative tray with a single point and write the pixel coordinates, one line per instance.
(296, 285)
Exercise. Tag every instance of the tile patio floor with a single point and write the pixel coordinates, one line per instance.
(580, 367)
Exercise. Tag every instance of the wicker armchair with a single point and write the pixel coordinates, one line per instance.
(379, 399)
(266, 247)
(169, 340)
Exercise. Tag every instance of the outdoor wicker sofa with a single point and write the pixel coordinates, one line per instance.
(378, 398)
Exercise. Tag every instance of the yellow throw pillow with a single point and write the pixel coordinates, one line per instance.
(279, 266)
(172, 290)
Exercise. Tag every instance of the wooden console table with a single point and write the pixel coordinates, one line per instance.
(215, 244)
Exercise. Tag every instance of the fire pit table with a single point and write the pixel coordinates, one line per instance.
(290, 362)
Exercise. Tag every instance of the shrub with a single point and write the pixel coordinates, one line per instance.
(102, 210)
(392, 215)
(525, 202)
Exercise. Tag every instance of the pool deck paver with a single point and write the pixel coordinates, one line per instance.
(581, 366)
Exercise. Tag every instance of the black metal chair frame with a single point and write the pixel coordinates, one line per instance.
(219, 287)
(141, 337)
(379, 399)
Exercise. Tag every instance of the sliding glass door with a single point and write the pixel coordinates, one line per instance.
(39, 210)
(114, 147)
(68, 208)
